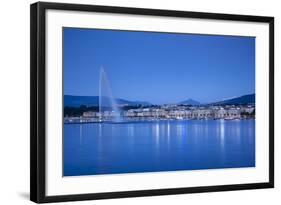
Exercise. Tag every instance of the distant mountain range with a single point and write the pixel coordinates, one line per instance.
(189, 102)
(241, 100)
(245, 99)
(77, 101)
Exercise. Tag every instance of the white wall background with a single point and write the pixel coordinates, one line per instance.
(14, 100)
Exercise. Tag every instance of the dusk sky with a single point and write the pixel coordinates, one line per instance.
(158, 67)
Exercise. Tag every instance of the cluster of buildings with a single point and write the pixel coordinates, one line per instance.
(167, 112)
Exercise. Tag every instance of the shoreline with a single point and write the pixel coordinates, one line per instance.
(152, 121)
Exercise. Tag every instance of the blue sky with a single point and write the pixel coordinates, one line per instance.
(158, 67)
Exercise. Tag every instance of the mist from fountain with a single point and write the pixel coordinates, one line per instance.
(106, 99)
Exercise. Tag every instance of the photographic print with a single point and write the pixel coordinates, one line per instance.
(131, 102)
(140, 101)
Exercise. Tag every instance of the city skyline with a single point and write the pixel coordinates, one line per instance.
(159, 67)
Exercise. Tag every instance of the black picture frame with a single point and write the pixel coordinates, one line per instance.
(38, 101)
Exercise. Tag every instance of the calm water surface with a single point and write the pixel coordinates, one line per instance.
(107, 148)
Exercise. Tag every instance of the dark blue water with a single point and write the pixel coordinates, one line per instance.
(157, 146)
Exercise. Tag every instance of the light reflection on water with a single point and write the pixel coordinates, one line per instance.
(222, 133)
(106, 148)
(81, 134)
(168, 135)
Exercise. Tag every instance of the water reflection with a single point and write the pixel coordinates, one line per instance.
(238, 133)
(80, 134)
(156, 133)
(196, 133)
(131, 130)
(100, 129)
(131, 140)
(222, 139)
(180, 130)
(168, 134)
(206, 129)
(222, 132)
(103, 148)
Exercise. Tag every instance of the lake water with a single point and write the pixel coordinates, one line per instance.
(108, 148)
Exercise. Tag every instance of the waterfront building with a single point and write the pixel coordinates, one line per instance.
(170, 112)
(89, 114)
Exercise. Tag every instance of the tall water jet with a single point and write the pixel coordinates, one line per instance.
(106, 100)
